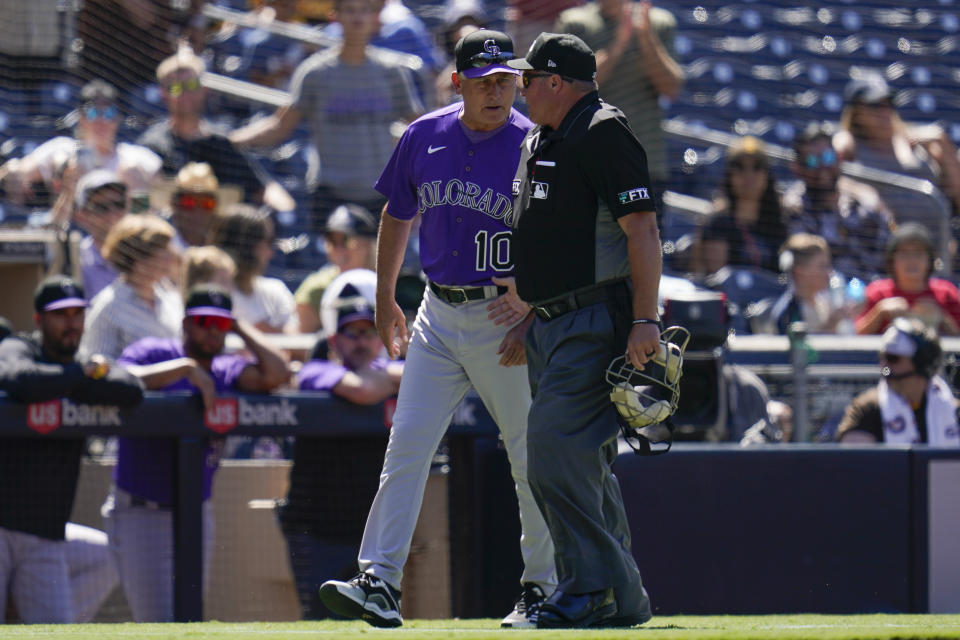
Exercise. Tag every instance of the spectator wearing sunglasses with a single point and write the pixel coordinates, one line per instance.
(60, 162)
(912, 403)
(849, 215)
(747, 229)
(194, 204)
(186, 136)
(138, 512)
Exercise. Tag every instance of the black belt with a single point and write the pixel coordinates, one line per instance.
(554, 307)
(459, 295)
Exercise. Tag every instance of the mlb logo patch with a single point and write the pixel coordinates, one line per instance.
(223, 416)
(539, 190)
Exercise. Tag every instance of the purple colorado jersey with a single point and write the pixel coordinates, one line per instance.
(145, 465)
(460, 182)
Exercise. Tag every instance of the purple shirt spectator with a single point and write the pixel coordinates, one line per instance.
(145, 465)
(323, 375)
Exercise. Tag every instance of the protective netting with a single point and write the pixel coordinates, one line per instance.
(243, 150)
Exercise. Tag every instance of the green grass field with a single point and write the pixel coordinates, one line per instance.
(820, 627)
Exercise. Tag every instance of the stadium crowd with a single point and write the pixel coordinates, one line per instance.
(223, 157)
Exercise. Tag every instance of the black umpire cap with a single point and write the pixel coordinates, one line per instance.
(560, 53)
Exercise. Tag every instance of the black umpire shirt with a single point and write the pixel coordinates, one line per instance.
(571, 187)
(38, 475)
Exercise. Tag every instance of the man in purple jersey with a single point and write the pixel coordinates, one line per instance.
(454, 168)
(138, 512)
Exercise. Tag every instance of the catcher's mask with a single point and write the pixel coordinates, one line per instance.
(646, 399)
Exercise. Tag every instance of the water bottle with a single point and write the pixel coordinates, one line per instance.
(854, 296)
(838, 304)
(856, 293)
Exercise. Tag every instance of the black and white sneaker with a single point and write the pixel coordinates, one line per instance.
(365, 597)
(527, 609)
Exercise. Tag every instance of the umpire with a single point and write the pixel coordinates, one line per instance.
(584, 230)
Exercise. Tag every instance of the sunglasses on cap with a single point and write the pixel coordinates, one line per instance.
(208, 322)
(484, 58)
(528, 77)
(94, 112)
(826, 159)
(119, 204)
(178, 88)
(195, 201)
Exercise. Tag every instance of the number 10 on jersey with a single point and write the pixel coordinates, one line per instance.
(493, 251)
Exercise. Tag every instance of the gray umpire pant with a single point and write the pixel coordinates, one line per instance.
(572, 443)
(452, 347)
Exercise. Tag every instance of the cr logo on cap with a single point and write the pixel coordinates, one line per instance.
(490, 46)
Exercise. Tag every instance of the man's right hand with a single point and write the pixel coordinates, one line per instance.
(507, 308)
(392, 327)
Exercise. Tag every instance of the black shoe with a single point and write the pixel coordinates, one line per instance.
(366, 597)
(527, 609)
(576, 610)
(633, 608)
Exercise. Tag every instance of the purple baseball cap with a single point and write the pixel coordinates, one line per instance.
(209, 300)
(352, 306)
(58, 292)
(484, 52)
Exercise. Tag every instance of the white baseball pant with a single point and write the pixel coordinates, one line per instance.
(92, 568)
(452, 347)
(142, 539)
(34, 571)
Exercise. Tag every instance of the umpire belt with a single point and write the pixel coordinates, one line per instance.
(459, 295)
(555, 307)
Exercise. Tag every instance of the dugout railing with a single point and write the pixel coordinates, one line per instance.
(180, 416)
(481, 505)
